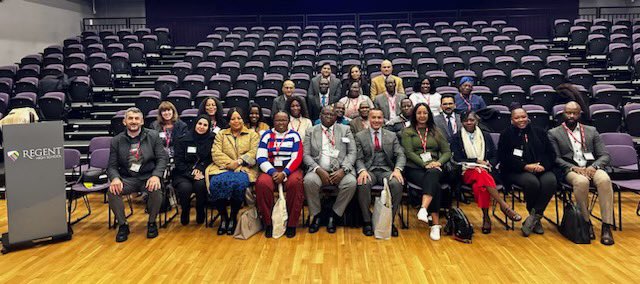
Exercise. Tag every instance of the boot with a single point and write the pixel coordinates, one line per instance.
(607, 236)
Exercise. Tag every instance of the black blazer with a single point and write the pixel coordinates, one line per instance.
(537, 150)
(186, 162)
(459, 155)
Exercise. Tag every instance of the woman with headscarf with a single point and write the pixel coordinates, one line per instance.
(465, 101)
(192, 156)
(475, 150)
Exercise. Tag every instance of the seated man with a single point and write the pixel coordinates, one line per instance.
(389, 102)
(361, 122)
(378, 84)
(449, 122)
(340, 118)
(581, 155)
(320, 95)
(329, 153)
(404, 119)
(380, 156)
(136, 163)
(279, 157)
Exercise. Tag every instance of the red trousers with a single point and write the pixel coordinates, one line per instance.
(294, 195)
(479, 179)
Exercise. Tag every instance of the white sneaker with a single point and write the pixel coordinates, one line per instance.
(423, 215)
(435, 232)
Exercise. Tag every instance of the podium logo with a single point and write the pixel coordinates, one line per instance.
(13, 155)
(43, 153)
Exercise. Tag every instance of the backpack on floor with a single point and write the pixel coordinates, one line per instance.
(458, 225)
(573, 225)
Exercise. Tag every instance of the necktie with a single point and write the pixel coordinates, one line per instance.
(449, 126)
(324, 100)
(376, 141)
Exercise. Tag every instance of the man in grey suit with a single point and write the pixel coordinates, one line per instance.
(380, 156)
(329, 153)
(280, 101)
(581, 155)
(389, 102)
(319, 94)
(449, 122)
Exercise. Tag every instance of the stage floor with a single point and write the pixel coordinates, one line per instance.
(194, 253)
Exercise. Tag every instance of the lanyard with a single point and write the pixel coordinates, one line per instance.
(167, 137)
(467, 102)
(392, 104)
(581, 141)
(332, 138)
(138, 150)
(423, 140)
(275, 141)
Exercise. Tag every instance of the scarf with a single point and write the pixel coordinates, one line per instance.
(473, 149)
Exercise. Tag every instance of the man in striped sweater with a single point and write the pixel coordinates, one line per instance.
(279, 157)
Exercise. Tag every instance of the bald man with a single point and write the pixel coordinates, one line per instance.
(378, 83)
(279, 102)
(581, 156)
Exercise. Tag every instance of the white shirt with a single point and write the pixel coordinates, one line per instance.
(578, 154)
(327, 147)
(452, 119)
(433, 100)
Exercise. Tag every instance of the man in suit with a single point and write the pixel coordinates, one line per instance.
(329, 153)
(389, 101)
(449, 122)
(361, 122)
(280, 102)
(378, 84)
(581, 155)
(323, 96)
(380, 156)
(403, 120)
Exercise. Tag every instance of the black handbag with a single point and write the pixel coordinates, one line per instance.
(459, 226)
(573, 225)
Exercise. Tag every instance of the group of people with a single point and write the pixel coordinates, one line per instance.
(348, 143)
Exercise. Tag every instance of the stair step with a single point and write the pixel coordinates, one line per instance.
(83, 135)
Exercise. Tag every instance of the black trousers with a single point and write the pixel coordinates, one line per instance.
(429, 181)
(538, 188)
(185, 187)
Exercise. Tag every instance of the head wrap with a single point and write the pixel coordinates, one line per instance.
(466, 79)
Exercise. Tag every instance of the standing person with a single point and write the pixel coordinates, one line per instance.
(449, 122)
(333, 89)
(323, 97)
(361, 122)
(279, 157)
(581, 155)
(380, 156)
(233, 168)
(426, 150)
(424, 93)
(378, 84)
(527, 159)
(353, 100)
(355, 75)
(169, 126)
(299, 118)
(472, 145)
(389, 102)
(256, 119)
(192, 156)
(213, 108)
(465, 101)
(329, 153)
(137, 161)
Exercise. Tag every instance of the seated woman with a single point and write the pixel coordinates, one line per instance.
(299, 120)
(355, 75)
(526, 159)
(192, 156)
(353, 100)
(233, 169)
(213, 108)
(169, 126)
(256, 119)
(426, 150)
(471, 145)
(424, 93)
(465, 100)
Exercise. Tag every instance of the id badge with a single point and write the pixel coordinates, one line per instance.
(589, 156)
(277, 163)
(407, 124)
(426, 157)
(162, 135)
(517, 152)
(345, 140)
(216, 130)
(135, 167)
(191, 150)
(333, 153)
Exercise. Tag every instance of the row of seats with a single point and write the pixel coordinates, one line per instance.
(52, 105)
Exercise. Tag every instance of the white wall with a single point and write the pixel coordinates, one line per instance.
(28, 26)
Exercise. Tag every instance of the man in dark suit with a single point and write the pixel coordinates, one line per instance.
(581, 155)
(280, 101)
(321, 94)
(329, 153)
(361, 122)
(389, 102)
(449, 122)
(380, 156)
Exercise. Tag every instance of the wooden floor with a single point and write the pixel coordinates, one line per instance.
(195, 254)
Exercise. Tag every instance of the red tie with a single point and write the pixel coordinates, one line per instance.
(376, 141)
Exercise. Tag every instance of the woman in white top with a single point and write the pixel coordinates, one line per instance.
(299, 120)
(426, 94)
(353, 99)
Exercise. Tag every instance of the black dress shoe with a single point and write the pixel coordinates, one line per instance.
(315, 225)
(268, 231)
(486, 225)
(231, 227)
(592, 234)
(184, 217)
(607, 237)
(290, 232)
(394, 231)
(152, 230)
(223, 228)
(367, 229)
(123, 233)
(331, 225)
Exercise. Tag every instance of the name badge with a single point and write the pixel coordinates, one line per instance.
(407, 123)
(345, 140)
(135, 167)
(162, 135)
(277, 163)
(426, 157)
(333, 153)
(216, 130)
(517, 152)
(589, 156)
(192, 150)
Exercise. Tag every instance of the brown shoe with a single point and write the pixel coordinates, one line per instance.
(511, 214)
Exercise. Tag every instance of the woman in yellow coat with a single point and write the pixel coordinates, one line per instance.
(233, 169)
